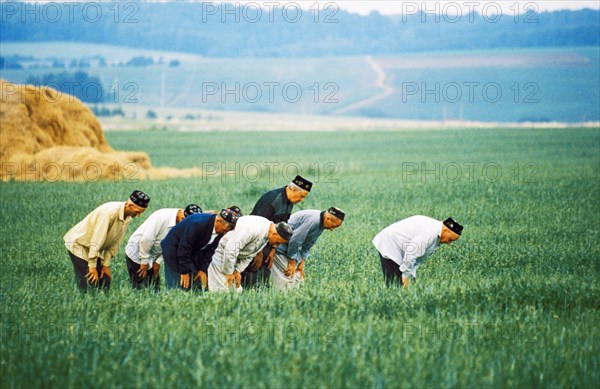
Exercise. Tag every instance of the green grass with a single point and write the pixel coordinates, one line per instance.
(513, 303)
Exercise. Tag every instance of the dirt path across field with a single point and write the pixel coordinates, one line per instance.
(379, 83)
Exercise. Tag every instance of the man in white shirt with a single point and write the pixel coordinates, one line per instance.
(143, 251)
(404, 245)
(237, 249)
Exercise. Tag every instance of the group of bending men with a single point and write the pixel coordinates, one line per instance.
(223, 250)
(214, 250)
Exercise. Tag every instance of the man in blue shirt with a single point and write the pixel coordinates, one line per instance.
(308, 225)
(189, 246)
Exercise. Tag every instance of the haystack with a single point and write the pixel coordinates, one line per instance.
(46, 135)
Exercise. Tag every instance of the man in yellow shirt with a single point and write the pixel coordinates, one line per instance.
(95, 240)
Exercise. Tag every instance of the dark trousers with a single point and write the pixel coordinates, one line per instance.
(261, 277)
(80, 266)
(173, 279)
(138, 282)
(252, 279)
(391, 271)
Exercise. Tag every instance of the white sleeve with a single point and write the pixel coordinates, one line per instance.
(413, 251)
(232, 248)
(147, 242)
(159, 260)
(244, 261)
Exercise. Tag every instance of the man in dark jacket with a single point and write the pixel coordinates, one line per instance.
(189, 245)
(276, 206)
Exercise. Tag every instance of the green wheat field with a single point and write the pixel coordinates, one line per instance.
(514, 303)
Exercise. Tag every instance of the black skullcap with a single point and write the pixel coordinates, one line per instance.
(453, 226)
(237, 209)
(303, 183)
(140, 198)
(337, 213)
(284, 230)
(191, 209)
(229, 215)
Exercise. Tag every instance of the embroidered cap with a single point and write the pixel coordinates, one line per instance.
(237, 209)
(284, 230)
(453, 226)
(229, 215)
(337, 213)
(140, 198)
(303, 183)
(191, 209)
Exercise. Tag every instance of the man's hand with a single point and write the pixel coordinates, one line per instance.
(92, 276)
(203, 278)
(237, 276)
(301, 268)
(156, 269)
(184, 281)
(256, 262)
(230, 279)
(405, 282)
(291, 268)
(234, 278)
(105, 271)
(143, 271)
(270, 257)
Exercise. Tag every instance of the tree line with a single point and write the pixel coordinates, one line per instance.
(219, 30)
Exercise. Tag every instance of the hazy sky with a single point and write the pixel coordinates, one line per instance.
(396, 7)
(390, 7)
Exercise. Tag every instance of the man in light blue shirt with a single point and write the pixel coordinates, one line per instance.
(404, 245)
(308, 225)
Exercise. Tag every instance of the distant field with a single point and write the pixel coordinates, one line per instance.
(537, 85)
(522, 85)
(513, 303)
(72, 50)
(297, 85)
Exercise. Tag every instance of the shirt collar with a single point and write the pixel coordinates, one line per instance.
(439, 235)
(284, 196)
(322, 220)
(173, 220)
(122, 213)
